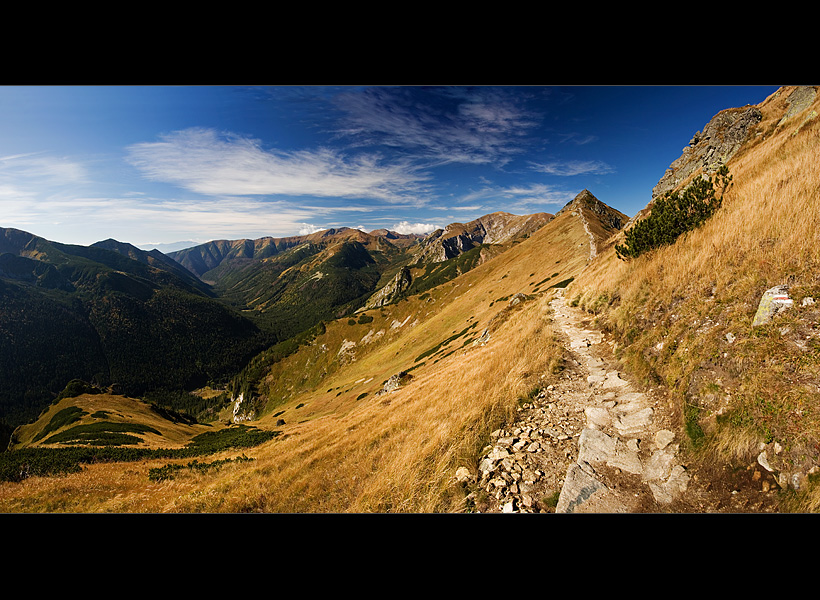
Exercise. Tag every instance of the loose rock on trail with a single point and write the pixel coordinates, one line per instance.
(589, 444)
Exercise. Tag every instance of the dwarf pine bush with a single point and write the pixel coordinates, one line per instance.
(673, 214)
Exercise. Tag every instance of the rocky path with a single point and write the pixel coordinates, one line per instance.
(589, 444)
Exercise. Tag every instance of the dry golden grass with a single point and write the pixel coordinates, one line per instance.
(764, 385)
(108, 488)
(339, 453)
(118, 409)
(396, 452)
(325, 384)
(399, 452)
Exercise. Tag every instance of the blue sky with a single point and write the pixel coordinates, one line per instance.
(155, 165)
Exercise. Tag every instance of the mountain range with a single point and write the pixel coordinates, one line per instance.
(140, 321)
(383, 362)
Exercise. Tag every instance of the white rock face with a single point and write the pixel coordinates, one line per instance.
(346, 353)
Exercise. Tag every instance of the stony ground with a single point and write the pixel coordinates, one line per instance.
(593, 443)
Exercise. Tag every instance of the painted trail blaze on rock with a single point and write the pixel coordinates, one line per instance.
(774, 301)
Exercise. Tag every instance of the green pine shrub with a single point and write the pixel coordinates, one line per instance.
(674, 214)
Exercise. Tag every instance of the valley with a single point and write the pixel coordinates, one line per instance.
(512, 364)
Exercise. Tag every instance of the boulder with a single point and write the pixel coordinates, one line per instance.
(485, 337)
(463, 475)
(774, 301)
(395, 382)
(518, 297)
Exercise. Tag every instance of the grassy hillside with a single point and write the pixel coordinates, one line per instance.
(93, 418)
(345, 448)
(288, 285)
(682, 315)
(295, 290)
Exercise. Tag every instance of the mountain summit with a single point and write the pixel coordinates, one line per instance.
(600, 220)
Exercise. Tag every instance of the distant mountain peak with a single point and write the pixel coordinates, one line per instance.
(112, 244)
(582, 198)
(494, 228)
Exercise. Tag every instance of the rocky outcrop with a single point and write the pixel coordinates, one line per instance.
(494, 228)
(799, 100)
(395, 382)
(346, 353)
(711, 148)
(243, 409)
(390, 292)
(439, 248)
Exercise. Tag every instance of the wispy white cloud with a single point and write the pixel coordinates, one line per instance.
(512, 197)
(523, 197)
(84, 220)
(577, 138)
(56, 197)
(568, 168)
(30, 184)
(204, 161)
(453, 125)
(35, 174)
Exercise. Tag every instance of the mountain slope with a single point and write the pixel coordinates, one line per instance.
(379, 410)
(97, 314)
(495, 228)
(88, 417)
(203, 259)
(601, 221)
(682, 315)
(447, 253)
(465, 354)
(154, 258)
(468, 350)
(288, 285)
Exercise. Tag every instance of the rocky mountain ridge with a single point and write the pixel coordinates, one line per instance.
(494, 228)
(724, 135)
(205, 257)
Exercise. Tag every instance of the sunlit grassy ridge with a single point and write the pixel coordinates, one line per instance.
(343, 448)
(94, 411)
(682, 314)
(398, 452)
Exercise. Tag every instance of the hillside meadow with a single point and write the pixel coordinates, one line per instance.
(682, 314)
(344, 448)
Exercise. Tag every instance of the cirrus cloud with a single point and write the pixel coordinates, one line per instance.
(203, 161)
(451, 125)
(570, 168)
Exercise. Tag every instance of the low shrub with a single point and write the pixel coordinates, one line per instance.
(673, 214)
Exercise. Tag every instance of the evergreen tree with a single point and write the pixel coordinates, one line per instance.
(673, 214)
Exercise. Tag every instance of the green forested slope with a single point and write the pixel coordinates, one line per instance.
(93, 313)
